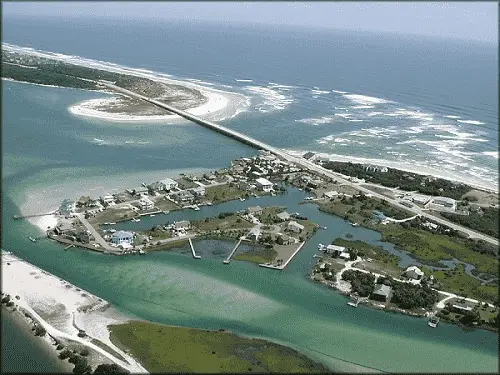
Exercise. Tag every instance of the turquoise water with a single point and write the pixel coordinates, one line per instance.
(50, 155)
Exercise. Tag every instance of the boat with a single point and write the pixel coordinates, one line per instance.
(195, 207)
(355, 224)
(166, 212)
(316, 256)
(135, 220)
(209, 203)
(433, 321)
(152, 215)
(242, 199)
(353, 304)
(32, 239)
(142, 252)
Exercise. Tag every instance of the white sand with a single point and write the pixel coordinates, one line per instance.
(43, 295)
(216, 102)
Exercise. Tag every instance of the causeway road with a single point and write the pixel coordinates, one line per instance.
(304, 163)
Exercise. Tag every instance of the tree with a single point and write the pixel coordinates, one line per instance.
(105, 368)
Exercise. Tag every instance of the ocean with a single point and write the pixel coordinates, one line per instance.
(430, 105)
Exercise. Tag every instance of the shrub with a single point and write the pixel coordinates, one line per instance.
(84, 352)
(65, 354)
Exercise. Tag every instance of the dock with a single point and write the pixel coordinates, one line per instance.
(192, 249)
(228, 259)
(286, 263)
(16, 217)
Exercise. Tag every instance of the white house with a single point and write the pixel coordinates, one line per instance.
(264, 184)
(254, 234)
(122, 238)
(169, 184)
(414, 272)
(283, 216)
(107, 199)
(198, 191)
(332, 249)
(295, 227)
(330, 194)
(146, 203)
(182, 225)
(440, 203)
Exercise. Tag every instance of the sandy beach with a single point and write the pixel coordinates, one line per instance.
(62, 309)
(216, 102)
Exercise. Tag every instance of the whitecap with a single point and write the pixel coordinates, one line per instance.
(471, 122)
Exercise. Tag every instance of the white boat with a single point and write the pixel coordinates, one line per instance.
(209, 203)
(135, 220)
(354, 224)
(166, 212)
(320, 246)
(242, 199)
(195, 207)
(152, 215)
(353, 304)
(32, 239)
(142, 252)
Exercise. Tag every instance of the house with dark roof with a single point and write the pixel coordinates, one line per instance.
(381, 292)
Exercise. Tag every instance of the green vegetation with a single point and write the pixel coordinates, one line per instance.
(409, 296)
(223, 193)
(258, 255)
(223, 221)
(457, 281)
(481, 317)
(404, 180)
(164, 349)
(362, 283)
(484, 221)
(430, 248)
(167, 246)
(105, 369)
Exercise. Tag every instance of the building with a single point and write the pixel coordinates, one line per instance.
(283, 216)
(122, 238)
(284, 239)
(461, 308)
(182, 225)
(169, 184)
(330, 194)
(138, 190)
(295, 227)
(420, 199)
(156, 186)
(375, 168)
(381, 292)
(107, 199)
(334, 250)
(441, 203)
(254, 234)
(198, 191)
(414, 272)
(264, 184)
(308, 155)
(183, 196)
(254, 210)
(63, 228)
(85, 236)
(146, 203)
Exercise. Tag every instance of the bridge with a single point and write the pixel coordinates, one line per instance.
(303, 163)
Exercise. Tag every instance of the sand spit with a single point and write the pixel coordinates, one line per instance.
(62, 308)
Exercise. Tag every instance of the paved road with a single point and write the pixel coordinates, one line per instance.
(96, 235)
(306, 164)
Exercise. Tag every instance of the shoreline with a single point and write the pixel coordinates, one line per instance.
(60, 307)
(418, 169)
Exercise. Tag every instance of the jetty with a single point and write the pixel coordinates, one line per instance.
(228, 259)
(192, 249)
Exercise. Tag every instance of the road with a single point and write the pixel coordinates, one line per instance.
(96, 235)
(304, 163)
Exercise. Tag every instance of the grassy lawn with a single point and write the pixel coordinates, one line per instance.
(258, 255)
(167, 246)
(185, 184)
(269, 214)
(164, 349)
(430, 247)
(165, 205)
(229, 222)
(457, 281)
(223, 193)
(111, 215)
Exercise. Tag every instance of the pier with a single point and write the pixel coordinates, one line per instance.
(228, 259)
(16, 217)
(192, 249)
